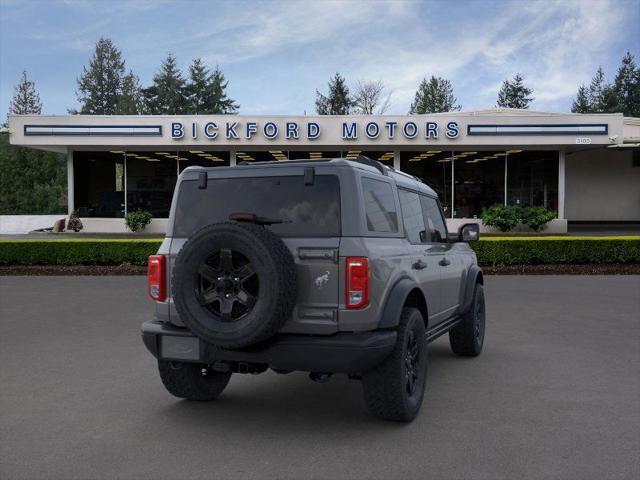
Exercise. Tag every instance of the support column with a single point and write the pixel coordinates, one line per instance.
(506, 165)
(561, 181)
(126, 207)
(396, 159)
(232, 158)
(71, 196)
(453, 183)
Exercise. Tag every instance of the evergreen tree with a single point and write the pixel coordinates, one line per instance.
(338, 101)
(31, 181)
(514, 94)
(206, 92)
(196, 89)
(219, 102)
(433, 96)
(25, 99)
(99, 86)
(627, 86)
(596, 91)
(581, 104)
(167, 95)
(130, 101)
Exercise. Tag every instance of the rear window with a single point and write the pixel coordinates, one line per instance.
(308, 210)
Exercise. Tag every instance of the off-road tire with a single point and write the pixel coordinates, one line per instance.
(276, 272)
(467, 338)
(187, 380)
(385, 386)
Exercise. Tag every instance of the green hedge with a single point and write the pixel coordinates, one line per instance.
(490, 250)
(77, 252)
(569, 250)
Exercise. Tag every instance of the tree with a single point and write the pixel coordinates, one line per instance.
(31, 181)
(130, 101)
(581, 104)
(25, 99)
(596, 91)
(196, 89)
(219, 102)
(100, 85)
(434, 95)
(167, 95)
(370, 98)
(206, 92)
(337, 101)
(514, 94)
(627, 86)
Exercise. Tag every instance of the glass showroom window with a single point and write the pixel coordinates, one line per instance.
(532, 179)
(99, 184)
(478, 182)
(434, 168)
(199, 158)
(151, 179)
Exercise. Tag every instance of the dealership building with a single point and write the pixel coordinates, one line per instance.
(586, 168)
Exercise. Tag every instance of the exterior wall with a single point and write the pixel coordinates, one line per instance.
(602, 185)
(92, 131)
(159, 225)
(117, 225)
(15, 224)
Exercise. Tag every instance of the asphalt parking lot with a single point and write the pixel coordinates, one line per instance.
(554, 395)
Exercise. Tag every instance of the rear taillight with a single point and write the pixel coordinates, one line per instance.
(357, 287)
(156, 280)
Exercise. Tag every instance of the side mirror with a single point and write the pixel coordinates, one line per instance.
(469, 232)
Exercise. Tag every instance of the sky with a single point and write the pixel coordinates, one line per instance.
(275, 54)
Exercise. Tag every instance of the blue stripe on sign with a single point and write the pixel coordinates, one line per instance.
(558, 129)
(94, 130)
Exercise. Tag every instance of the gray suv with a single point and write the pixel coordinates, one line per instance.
(325, 266)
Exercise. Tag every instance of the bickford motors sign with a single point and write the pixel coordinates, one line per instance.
(310, 130)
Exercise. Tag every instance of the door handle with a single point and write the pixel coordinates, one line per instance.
(419, 265)
(444, 262)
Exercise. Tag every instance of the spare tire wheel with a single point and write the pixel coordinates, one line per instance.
(234, 284)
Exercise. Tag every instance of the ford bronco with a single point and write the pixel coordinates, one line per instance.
(328, 266)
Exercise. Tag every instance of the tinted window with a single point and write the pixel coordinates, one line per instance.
(308, 210)
(412, 216)
(436, 229)
(380, 206)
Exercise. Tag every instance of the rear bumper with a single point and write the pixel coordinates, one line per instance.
(351, 353)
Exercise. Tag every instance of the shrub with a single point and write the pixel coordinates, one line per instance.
(137, 220)
(567, 250)
(74, 223)
(490, 251)
(503, 217)
(536, 217)
(77, 252)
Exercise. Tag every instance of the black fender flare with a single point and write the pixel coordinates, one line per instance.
(473, 276)
(395, 302)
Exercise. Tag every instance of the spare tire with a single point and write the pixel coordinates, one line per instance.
(234, 284)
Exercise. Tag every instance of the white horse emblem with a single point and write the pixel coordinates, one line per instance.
(322, 279)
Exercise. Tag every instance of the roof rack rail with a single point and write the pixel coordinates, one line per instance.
(372, 163)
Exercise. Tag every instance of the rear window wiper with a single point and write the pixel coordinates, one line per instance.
(253, 218)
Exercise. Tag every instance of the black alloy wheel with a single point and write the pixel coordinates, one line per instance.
(412, 363)
(227, 285)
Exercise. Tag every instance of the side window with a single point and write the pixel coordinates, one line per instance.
(380, 206)
(412, 216)
(436, 229)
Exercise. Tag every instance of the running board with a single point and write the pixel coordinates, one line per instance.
(442, 328)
